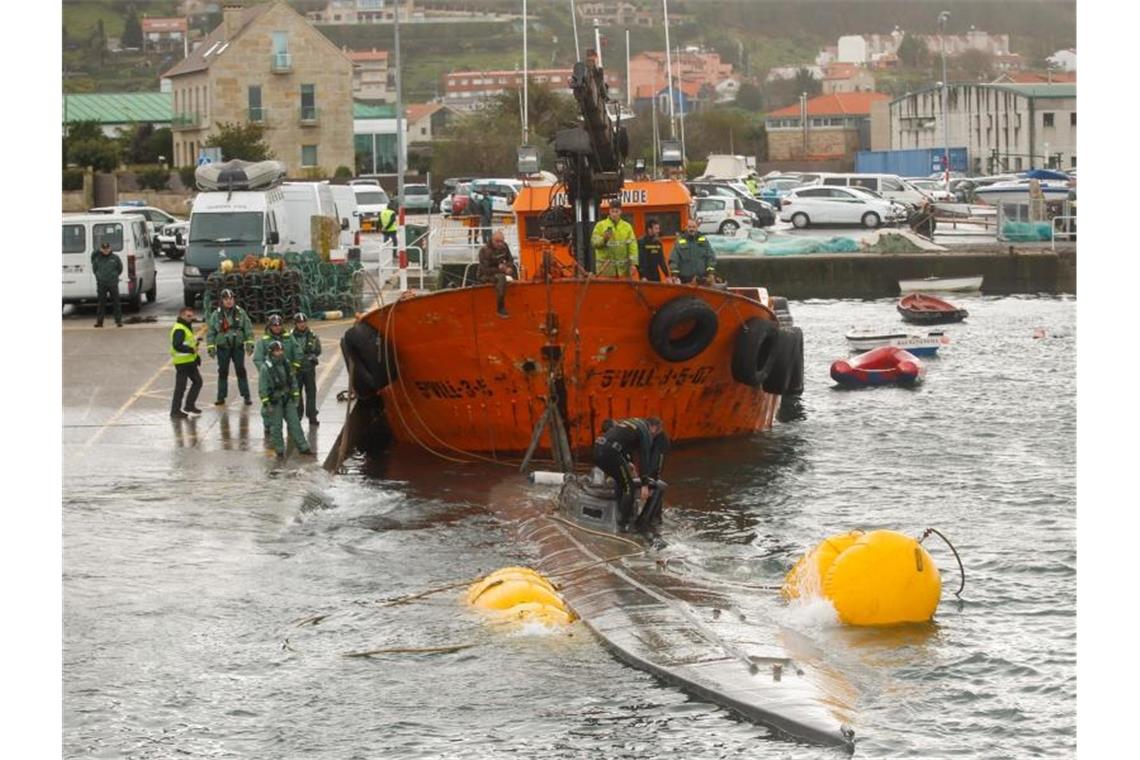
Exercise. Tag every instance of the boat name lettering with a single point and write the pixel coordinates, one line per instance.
(636, 197)
(453, 389)
(647, 378)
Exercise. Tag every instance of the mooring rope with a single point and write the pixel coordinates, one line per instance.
(926, 534)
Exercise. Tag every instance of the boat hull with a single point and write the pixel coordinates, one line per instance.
(919, 345)
(886, 365)
(942, 284)
(469, 381)
(921, 309)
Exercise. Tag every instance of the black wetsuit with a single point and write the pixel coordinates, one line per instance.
(615, 451)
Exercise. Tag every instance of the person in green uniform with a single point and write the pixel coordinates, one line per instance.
(306, 350)
(615, 244)
(277, 386)
(693, 260)
(107, 267)
(229, 337)
(274, 331)
(184, 355)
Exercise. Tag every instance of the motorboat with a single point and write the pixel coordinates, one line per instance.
(1054, 186)
(879, 366)
(925, 309)
(968, 284)
(865, 339)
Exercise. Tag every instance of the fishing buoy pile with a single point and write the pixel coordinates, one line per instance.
(876, 578)
(520, 594)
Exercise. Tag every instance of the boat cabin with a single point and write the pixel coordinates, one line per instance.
(667, 200)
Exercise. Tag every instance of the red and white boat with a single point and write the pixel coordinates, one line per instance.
(880, 366)
(924, 309)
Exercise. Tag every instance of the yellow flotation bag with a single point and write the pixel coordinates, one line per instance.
(519, 594)
(878, 578)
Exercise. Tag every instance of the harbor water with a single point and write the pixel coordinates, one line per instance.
(211, 603)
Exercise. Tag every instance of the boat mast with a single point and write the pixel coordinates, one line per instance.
(669, 74)
(574, 26)
(401, 159)
(526, 101)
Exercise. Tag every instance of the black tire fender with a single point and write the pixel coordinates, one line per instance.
(795, 386)
(678, 311)
(755, 351)
(780, 377)
(366, 352)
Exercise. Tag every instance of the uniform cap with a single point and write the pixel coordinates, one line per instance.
(227, 293)
(299, 317)
(274, 319)
(276, 346)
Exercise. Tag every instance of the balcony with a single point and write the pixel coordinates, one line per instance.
(310, 116)
(281, 63)
(186, 120)
(258, 115)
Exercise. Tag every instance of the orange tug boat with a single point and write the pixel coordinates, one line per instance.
(442, 371)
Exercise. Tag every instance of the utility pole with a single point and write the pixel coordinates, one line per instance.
(669, 73)
(943, 17)
(401, 161)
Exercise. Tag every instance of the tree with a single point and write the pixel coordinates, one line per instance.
(749, 97)
(240, 141)
(976, 64)
(102, 155)
(132, 29)
(806, 82)
(913, 52)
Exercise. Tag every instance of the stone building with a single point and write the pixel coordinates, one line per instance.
(266, 64)
(370, 75)
(1004, 127)
(826, 127)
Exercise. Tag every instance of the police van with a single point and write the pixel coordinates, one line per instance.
(83, 234)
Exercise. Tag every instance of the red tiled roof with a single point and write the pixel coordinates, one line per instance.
(166, 24)
(840, 71)
(836, 104)
(416, 111)
(367, 55)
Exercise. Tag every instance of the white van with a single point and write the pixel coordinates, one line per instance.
(229, 225)
(303, 201)
(370, 201)
(890, 186)
(345, 200)
(83, 234)
(156, 218)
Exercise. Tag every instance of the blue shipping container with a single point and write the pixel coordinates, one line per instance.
(920, 162)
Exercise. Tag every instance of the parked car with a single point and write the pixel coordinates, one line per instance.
(83, 234)
(172, 240)
(448, 190)
(763, 214)
(456, 203)
(932, 188)
(890, 186)
(776, 188)
(502, 191)
(720, 215)
(370, 201)
(417, 197)
(838, 205)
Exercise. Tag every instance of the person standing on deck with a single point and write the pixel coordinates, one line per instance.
(651, 254)
(228, 333)
(693, 260)
(615, 244)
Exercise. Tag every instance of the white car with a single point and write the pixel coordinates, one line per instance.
(933, 188)
(837, 205)
(720, 215)
(172, 240)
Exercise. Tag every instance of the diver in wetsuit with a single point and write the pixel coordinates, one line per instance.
(627, 448)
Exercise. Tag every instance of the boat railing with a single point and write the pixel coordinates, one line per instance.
(1065, 226)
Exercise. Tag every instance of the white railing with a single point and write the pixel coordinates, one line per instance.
(1068, 229)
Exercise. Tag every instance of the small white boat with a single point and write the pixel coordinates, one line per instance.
(865, 339)
(968, 284)
(1017, 191)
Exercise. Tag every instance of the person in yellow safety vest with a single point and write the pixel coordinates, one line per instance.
(752, 185)
(184, 354)
(388, 223)
(615, 244)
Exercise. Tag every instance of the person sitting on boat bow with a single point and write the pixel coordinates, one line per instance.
(626, 448)
(496, 264)
(693, 260)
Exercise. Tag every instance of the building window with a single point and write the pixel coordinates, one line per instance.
(1073, 162)
(1048, 118)
(308, 103)
(280, 43)
(308, 155)
(1073, 119)
(255, 112)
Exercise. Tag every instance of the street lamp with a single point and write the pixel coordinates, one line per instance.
(943, 17)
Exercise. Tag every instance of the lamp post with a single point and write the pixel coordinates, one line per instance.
(942, 19)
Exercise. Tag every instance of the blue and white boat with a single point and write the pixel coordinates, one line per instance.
(1054, 186)
(865, 339)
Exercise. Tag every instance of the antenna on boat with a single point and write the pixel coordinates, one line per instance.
(527, 156)
(669, 73)
(574, 26)
(526, 100)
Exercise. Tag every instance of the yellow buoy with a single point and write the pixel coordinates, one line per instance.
(502, 596)
(806, 577)
(227, 266)
(504, 574)
(879, 578)
(537, 613)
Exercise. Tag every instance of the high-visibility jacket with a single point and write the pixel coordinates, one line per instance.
(188, 341)
(387, 220)
(616, 257)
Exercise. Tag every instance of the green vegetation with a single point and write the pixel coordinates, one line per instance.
(244, 141)
(72, 179)
(155, 178)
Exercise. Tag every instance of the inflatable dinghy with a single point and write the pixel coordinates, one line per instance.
(239, 175)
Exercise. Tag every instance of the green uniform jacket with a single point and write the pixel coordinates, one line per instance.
(228, 329)
(261, 349)
(692, 257)
(277, 382)
(616, 257)
(306, 347)
(106, 268)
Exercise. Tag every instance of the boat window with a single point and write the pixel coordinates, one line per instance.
(670, 222)
(107, 233)
(74, 238)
